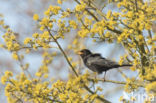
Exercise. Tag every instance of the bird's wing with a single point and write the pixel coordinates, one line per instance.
(95, 55)
(100, 61)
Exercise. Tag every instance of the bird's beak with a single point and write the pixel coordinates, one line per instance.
(80, 53)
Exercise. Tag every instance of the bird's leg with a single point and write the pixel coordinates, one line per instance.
(104, 75)
(95, 77)
(93, 85)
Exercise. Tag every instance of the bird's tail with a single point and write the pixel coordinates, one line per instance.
(125, 65)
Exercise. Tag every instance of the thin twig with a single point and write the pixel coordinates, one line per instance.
(122, 74)
(150, 34)
(119, 82)
(136, 4)
(62, 52)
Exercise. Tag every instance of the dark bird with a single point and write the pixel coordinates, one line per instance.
(97, 63)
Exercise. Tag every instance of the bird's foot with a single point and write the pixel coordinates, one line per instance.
(104, 79)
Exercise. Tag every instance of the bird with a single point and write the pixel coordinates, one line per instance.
(96, 63)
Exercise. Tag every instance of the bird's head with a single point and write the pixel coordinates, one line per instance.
(84, 52)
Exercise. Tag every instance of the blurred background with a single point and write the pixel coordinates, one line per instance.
(18, 14)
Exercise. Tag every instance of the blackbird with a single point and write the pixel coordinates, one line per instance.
(97, 63)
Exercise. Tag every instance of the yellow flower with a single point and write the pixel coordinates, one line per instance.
(1, 22)
(83, 33)
(12, 37)
(59, 1)
(70, 58)
(46, 76)
(54, 9)
(50, 25)
(47, 13)
(93, 96)
(27, 40)
(62, 97)
(1, 46)
(74, 64)
(16, 46)
(151, 86)
(121, 60)
(99, 89)
(15, 56)
(3, 80)
(27, 51)
(69, 46)
(35, 47)
(80, 7)
(130, 14)
(35, 17)
(140, 37)
(54, 53)
(9, 45)
(7, 88)
(8, 74)
(38, 74)
(133, 68)
(45, 35)
(119, 39)
(108, 14)
(73, 24)
(75, 41)
(87, 21)
(42, 28)
(147, 26)
(44, 22)
(35, 35)
(65, 14)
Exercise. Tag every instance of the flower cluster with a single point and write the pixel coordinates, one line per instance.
(11, 42)
(36, 90)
